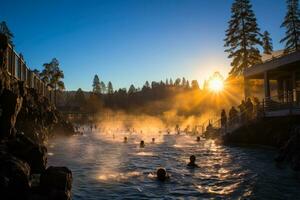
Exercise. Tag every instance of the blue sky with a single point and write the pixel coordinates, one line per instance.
(130, 41)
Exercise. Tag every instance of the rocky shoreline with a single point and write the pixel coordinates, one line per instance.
(27, 120)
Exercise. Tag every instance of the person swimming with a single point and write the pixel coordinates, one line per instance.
(161, 174)
(125, 139)
(142, 144)
(153, 140)
(192, 162)
(198, 139)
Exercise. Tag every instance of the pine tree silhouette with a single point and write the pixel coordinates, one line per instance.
(242, 37)
(292, 24)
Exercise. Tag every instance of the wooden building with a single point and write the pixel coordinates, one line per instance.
(285, 71)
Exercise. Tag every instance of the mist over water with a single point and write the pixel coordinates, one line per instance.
(104, 167)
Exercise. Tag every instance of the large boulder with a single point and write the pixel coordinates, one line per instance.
(14, 177)
(56, 182)
(33, 153)
(10, 105)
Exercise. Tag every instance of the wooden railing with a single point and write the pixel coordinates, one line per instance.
(18, 70)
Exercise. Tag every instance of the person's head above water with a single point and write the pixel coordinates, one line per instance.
(153, 139)
(192, 162)
(192, 159)
(161, 174)
(142, 143)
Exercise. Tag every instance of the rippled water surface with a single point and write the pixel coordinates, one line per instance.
(106, 168)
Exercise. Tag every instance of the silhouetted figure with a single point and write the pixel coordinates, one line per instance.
(256, 107)
(242, 108)
(125, 139)
(233, 115)
(161, 174)
(198, 139)
(223, 119)
(187, 128)
(192, 162)
(249, 109)
(153, 140)
(209, 127)
(195, 130)
(177, 129)
(142, 144)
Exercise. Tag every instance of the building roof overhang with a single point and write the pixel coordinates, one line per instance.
(276, 66)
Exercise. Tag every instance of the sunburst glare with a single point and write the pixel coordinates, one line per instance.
(216, 83)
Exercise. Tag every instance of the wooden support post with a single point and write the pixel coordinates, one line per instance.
(280, 90)
(266, 86)
(294, 84)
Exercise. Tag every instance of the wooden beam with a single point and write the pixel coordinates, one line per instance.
(266, 85)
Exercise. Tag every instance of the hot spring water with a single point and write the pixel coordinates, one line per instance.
(104, 167)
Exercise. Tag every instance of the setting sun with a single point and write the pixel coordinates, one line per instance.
(216, 83)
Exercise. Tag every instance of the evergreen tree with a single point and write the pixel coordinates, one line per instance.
(5, 30)
(171, 81)
(103, 87)
(110, 89)
(177, 82)
(52, 75)
(242, 37)
(147, 85)
(167, 81)
(96, 85)
(187, 84)
(267, 43)
(195, 84)
(292, 24)
(183, 82)
(131, 89)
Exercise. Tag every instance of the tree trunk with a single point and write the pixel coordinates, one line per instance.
(55, 95)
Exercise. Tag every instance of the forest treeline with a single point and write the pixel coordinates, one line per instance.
(131, 100)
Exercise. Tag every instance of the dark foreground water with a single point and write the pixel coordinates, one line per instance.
(106, 168)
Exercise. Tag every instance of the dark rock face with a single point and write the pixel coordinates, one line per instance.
(26, 120)
(10, 105)
(282, 133)
(14, 178)
(273, 132)
(33, 153)
(57, 183)
(290, 152)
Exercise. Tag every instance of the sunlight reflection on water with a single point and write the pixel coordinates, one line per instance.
(109, 176)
